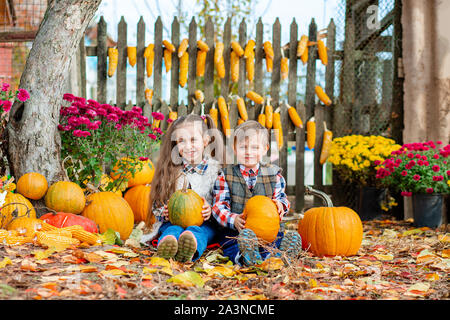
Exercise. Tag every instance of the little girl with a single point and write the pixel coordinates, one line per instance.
(184, 155)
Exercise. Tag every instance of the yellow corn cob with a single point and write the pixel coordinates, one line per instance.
(149, 50)
(323, 96)
(326, 143)
(256, 98)
(218, 52)
(304, 56)
(201, 60)
(220, 67)
(88, 237)
(184, 68)
(322, 50)
(311, 133)
(213, 112)
(49, 240)
(61, 232)
(149, 54)
(148, 95)
(183, 46)
(48, 227)
(156, 123)
(269, 64)
(131, 54)
(242, 108)
(202, 45)
(278, 128)
(284, 68)
(262, 117)
(224, 118)
(113, 55)
(295, 118)
(199, 96)
(249, 48)
(17, 240)
(269, 115)
(240, 121)
(237, 48)
(234, 66)
(173, 115)
(169, 46)
(302, 45)
(223, 109)
(167, 59)
(73, 228)
(268, 49)
(250, 66)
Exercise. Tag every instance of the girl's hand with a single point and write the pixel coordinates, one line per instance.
(165, 213)
(239, 223)
(206, 210)
(280, 208)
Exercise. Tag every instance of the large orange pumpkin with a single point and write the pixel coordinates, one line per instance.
(138, 197)
(32, 185)
(25, 226)
(15, 205)
(261, 216)
(185, 208)
(65, 196)
(143, 174)
(330, 231)
(109, 210)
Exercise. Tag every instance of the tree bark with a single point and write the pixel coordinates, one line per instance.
(34, 141)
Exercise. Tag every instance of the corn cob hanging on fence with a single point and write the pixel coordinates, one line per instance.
(213, 112)
(168, 45)
(234, 66)
(201, 61)
(284, 68)
(167, 59)
(242, 108)
(173, 115)
(224, 116)
(202, 45)
(278, 130)
(295, 118)
(322, 51)
(256, 98)
(240, 121)
(184, 68)
(131, 54)
(250, 66)
(311, 133)
(237, 48)
(268, 50)
(304, 56)
(249, 48)
(268, 110)
(149, 55)
(113, 55)
(326, 143)
(199, 96)
(269, 64)
(148, 95)
(218, 60)
(302, 45)
(323, 96)
(262, 117)
(183, 47)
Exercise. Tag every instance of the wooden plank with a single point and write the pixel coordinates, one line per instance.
(319, 116)
(330, 71)
(182, 109)
(82, 66)
(140, 64)
(175, 69)
(192, 73)
(225, 82)
(300, 162)
(157, 65)
(233, 112)
(209, 66)
(242, 90)
(285, 123)
(165, 111)
(259, 71)
(91, 51)
(102, 62)
(276, 72)
(384, 24)
(17, 36)
(121, 73)
(310, 94)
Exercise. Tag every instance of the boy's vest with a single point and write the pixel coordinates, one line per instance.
(239, 191)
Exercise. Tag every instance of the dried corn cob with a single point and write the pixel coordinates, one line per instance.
(49, 240)
(295, 118)
(148, 95)
(167, 59)
(268, 110)
(256, 98)
(201, 60)
(113, 55)
(242, 109)
(278, 128)
(269, 64)
(169, 46)
(239, 121)
(250, 66)
(213, 112)
(326, 143)
(302, 45)
(220, 67)
(262, 117)
(183, 47)
(184, 68)
(234, 65)
(304, 56)
(202, 45)
(249, 48)
(311, 133)
(268, 49)
(323, 96)
(131, 54)
(73, 228)
(17, 240)
(47, 227)
(237, 48)
(149, 54)
(218, 52)
(61, 232)
(199, 96)
(322, 50)
(284, 68)
(88, 237)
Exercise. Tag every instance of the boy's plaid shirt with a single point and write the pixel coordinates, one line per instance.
(187, 168)
(221, 209)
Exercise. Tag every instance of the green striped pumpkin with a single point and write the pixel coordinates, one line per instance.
(185, 208)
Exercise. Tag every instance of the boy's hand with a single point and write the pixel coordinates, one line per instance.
(165, 213)
(239, 223)
(280, 208)
(206, 210)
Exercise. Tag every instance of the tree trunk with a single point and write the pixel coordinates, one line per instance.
(34, 141)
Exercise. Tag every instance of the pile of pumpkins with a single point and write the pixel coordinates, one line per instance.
(97, 212)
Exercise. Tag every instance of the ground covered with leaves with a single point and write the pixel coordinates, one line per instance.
(396, 261)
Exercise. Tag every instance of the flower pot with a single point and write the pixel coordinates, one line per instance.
(427, 210)
(369, 203)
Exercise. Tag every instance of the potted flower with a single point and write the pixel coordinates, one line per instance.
(420, 171)
(354, 159)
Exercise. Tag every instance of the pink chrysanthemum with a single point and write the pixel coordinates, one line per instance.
(23, 95)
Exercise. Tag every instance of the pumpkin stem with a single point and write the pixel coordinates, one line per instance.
(326, 199)
(185, 182)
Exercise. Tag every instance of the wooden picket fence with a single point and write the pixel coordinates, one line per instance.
(306, 109)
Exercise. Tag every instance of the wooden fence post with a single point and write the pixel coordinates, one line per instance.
(140, 64)
(121, 73)
(102, 60)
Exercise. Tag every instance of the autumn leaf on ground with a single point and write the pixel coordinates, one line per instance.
(43, 254)
(187, 278)
(272, 264)
(5, 262)
(418, 290)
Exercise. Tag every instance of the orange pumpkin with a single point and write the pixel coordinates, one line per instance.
(330, 231)
(25, 226)
(138, 197)
(65, 196)
(109, 210)
(185, 208)
(15, 205)
(32, 185)
(261, 216)
(144, 171)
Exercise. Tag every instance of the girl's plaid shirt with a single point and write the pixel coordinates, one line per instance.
(221, 209)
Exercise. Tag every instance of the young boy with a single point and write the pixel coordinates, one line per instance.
(236, 184)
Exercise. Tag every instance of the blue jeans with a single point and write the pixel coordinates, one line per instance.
(203, 234)
(230, 246)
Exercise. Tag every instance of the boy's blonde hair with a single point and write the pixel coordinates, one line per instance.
(249, 128)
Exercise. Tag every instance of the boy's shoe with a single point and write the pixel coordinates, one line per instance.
(249, 248)
(187, 246)
(291, 244)
(167, 247)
